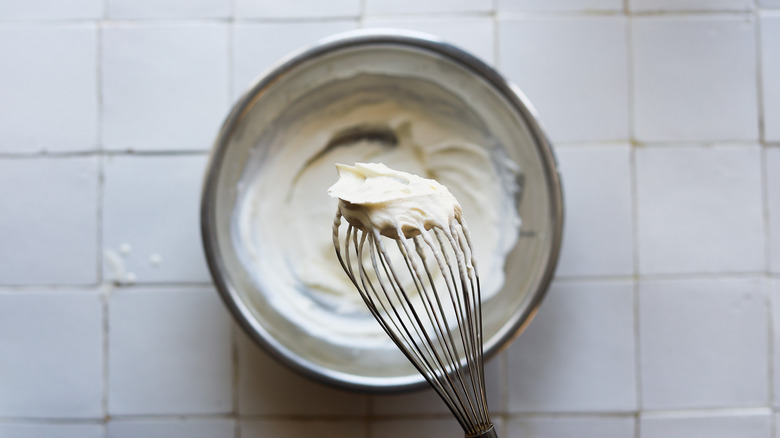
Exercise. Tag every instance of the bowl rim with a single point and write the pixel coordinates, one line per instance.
(362, 37)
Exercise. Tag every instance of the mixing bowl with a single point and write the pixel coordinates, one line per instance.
(281, 126)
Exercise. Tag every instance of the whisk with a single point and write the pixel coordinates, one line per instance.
(422, 287)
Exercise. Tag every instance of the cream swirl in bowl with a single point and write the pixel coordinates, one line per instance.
(284, 213)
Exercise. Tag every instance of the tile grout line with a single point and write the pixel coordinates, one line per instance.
(662, 277)
(578, 13)
(623, 11)
(759, 78)
(231, 36)
(234, 356)
(771, 322)
(100, 151)
(496, 36)
(655, 413)
(713, 412)
(637, 360)
(106, 291)
(636, 298)
(632, 144)
(99, 141)
(361, 19)
(764, 172)
(634, 218)
(504, 379)
(106, 295)
(413, 15)
(675, 412)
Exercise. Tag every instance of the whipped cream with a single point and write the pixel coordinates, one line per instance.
(373, 196)
(285, 217)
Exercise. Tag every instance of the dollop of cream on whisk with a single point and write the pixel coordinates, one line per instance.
(373, 196)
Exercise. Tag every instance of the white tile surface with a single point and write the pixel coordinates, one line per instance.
(50, 9)
(50, 97)
(689, 5)
(479, 40)
(416, 428)
(48, 228)
(51, 355)
(123, 9)
(155, 101)
(683, 93)
(50, 430)
(694, 78)
(773, 286)
(569, 360)
(429, 6)
(495, 370)
(150, 219)
(266, 387)
(574, 70)
(169, 352)
(302, 429)
(754, 425)
(180, 428)
(718, 322)
(569, 427)
(699, 209)
(297, 9)
(426, 401)
(773, 207)
(559, 5)
(258, 46)
(598, 227)
(770, 71)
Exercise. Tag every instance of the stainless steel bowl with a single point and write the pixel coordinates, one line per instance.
(385, 59)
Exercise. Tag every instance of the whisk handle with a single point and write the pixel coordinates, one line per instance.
(490, 433)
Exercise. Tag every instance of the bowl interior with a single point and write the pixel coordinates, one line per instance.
(273, 128)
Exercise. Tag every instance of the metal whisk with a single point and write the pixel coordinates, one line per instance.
(423, 289)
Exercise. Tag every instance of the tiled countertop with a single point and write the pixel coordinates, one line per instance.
(663, 319)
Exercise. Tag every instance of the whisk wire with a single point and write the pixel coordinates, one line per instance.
(420, 350)
(451, 372)
(466, 264)
(438, 331)
(478, 317)
(455, 296)
(424, 355)
(385, 315)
